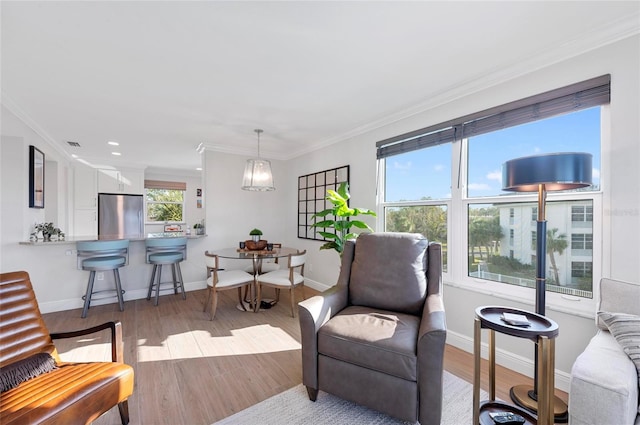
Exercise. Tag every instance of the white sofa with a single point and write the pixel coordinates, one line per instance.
(604, 380)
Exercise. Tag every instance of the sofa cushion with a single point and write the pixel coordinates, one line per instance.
(626, 330)
(372, 338)
(618, 296)
(375, 282)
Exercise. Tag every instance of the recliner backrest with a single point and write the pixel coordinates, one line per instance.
(23, 332)
(389, 272)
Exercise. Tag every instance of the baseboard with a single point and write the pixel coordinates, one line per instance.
(138, 294)
(135, 294)
(507, 359)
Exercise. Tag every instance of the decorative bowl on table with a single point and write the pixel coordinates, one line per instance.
(255, 246)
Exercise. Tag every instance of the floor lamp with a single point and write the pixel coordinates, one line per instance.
(542, 173)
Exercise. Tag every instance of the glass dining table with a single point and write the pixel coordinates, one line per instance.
(256, 257)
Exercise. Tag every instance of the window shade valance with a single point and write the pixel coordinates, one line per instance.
(586, 94)
(159, 184)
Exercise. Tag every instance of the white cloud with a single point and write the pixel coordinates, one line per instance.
(495, 175)
(479, 186)
(595, 173)
(402, 166)
(438, 167)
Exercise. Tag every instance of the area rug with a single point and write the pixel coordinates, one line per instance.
(293, 407)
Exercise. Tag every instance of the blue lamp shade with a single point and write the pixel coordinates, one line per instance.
(556, 171)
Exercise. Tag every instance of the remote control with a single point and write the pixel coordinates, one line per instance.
(506, 418)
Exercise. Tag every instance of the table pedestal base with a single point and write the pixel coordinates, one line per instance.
(521, 395)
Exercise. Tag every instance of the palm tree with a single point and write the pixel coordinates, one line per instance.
(555, 244)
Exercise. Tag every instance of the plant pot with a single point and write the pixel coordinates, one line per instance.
(255, 246)
(255, 238)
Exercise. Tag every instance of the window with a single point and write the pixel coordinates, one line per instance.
(495, 232)
(581, 241)
(164, 201)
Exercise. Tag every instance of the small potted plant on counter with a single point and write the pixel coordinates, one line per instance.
(199, 228)
(47, 230)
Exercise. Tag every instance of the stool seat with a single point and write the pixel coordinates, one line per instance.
(166, 252)
(166, 258)
(101, 256)
(103, 263)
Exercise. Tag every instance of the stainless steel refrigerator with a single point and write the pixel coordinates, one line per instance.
(120, 216)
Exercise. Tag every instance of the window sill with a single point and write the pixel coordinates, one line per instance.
(579, 307)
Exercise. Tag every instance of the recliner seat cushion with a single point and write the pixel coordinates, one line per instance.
(65, 394)
(372, 270)
(373, 338)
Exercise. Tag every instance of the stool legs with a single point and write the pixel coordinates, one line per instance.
(156, 275)
(89, 293)
(87, 296)
(116, 278)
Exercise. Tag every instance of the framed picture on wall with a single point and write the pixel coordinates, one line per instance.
(36, 178)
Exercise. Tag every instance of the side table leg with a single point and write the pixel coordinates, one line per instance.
(546, 384)
(477, 339)
(492, 365)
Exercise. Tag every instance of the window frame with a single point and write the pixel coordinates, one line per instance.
(147, 202)
(457, 270)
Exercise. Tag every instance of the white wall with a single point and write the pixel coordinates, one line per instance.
(231, 212)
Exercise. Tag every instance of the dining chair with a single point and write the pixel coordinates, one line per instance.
(288, 279)
(221, 280)
(266, 264)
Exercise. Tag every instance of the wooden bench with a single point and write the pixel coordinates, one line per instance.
(72, 393)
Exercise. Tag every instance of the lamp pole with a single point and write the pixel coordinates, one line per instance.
(557, 171)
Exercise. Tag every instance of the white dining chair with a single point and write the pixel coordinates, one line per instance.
(288, 279)
(221, 280)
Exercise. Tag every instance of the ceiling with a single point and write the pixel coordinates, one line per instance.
(160, 78)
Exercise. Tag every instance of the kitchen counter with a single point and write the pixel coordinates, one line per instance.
(132, 238)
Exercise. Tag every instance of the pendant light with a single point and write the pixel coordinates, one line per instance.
(257, 173)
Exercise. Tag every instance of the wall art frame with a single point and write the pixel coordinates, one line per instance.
(312, 191)
(36, 177)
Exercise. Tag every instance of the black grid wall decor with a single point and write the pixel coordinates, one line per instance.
(312, 191)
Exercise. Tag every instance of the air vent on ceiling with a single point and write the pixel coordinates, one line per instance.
(74, 144)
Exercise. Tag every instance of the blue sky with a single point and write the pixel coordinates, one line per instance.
(426, 173)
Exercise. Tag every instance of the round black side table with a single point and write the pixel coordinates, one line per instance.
(542, 331)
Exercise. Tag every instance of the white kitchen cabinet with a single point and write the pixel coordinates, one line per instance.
(84, 188)
(121, 181)
(85, 222)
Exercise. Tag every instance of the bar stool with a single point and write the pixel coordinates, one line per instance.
(102, 256)
(162, 252)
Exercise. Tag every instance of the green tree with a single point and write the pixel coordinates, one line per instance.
(164, 204)
(556, 243)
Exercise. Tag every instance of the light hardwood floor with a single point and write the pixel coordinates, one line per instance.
(192, 371)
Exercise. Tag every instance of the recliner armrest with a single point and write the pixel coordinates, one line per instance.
(117, 346)
(432, 337)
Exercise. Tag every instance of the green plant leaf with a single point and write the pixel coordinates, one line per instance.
(324, 223)
(329, 235)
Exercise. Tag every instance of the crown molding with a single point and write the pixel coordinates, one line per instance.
(583, 43)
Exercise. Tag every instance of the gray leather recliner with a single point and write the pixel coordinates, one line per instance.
(377, 337)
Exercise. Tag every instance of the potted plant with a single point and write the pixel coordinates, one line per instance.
(199, 228)
(255, 234)
(342, 222)
(47, 230)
